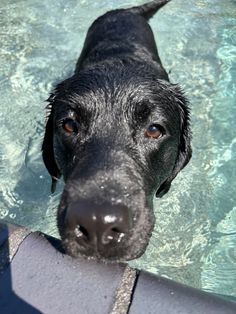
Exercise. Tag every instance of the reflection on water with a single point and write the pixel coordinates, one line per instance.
(195, 236)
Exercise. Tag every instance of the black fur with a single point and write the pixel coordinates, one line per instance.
(118, 90)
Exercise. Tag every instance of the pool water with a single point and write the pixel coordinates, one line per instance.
(194, 241)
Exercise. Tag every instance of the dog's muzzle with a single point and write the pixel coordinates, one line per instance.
(100, 215)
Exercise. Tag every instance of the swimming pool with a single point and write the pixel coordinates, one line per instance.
(194, 241)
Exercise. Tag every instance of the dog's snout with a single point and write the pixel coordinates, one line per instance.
(98, 227)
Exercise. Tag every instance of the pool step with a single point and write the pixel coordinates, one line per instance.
(35, 277)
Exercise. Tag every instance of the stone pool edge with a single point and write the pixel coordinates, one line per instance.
(35, 277)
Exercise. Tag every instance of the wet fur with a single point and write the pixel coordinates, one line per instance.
(118, 89)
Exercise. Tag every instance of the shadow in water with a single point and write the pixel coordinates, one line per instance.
(10, 303)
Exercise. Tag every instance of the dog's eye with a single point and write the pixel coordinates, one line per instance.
(70, 126)
(154, 131)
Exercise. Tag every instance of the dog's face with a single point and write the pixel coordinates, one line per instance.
(118, 136)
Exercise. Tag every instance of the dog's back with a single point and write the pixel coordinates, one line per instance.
(123, 34)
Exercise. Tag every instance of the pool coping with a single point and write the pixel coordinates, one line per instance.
(35, 277)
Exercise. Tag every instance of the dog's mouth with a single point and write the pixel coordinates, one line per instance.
(109, 252)
(129, 248)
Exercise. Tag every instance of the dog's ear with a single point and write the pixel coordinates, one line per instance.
(184, 149)
(47, 147)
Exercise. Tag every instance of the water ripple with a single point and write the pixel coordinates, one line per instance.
(194, 237)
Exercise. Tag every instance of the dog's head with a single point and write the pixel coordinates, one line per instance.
(118, 135)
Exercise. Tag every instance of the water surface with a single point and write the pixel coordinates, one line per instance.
(194, 241)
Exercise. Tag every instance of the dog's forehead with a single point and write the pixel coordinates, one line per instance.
(122, 107)
(116, 94)
(102, 99)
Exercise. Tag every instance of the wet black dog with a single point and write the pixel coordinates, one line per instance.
(118, 132)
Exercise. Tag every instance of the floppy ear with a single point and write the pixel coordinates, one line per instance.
(47, 149)
(184, 149)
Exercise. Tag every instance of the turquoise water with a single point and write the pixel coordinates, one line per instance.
(195, 236)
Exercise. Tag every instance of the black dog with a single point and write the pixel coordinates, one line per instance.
(118, 132)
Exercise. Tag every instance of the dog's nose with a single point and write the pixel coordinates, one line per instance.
(98, 226)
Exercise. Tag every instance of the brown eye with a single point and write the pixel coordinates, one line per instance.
(70, 126)
(153, 131)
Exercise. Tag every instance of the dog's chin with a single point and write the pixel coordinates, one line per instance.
(113, 255)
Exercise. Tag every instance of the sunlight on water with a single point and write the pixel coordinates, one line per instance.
(195, 235)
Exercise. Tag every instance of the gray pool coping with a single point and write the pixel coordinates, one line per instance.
(11, 237)
(35, 277)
